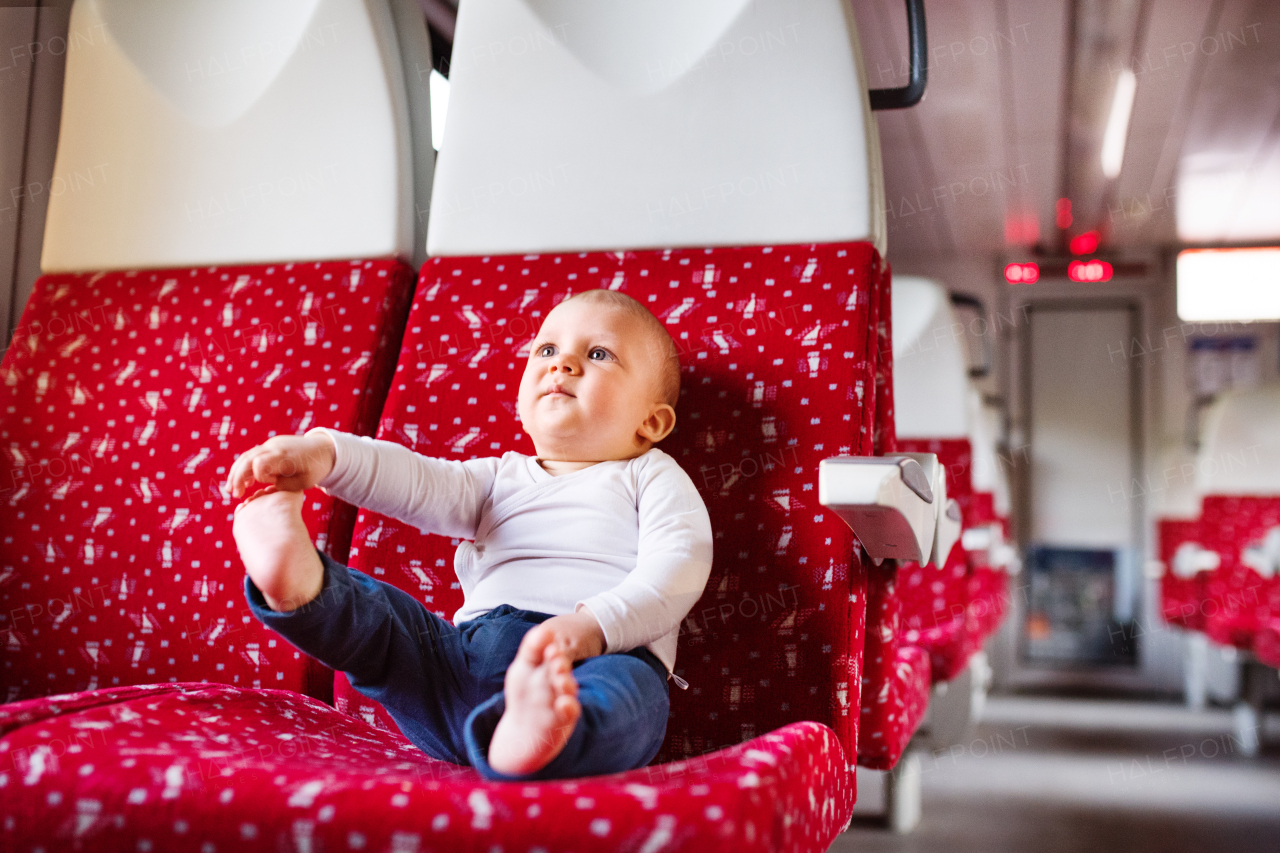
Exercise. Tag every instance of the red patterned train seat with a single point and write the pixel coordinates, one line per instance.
(807, 243)
(986, 538)
(123, 400)
(896, 673)
(194, 304)
(1184, 591)
(932, 413)
(776, 377)
(1244, 532)
(1237, 572)
(780, 351)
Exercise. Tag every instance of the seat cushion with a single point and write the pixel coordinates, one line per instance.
(124, 399)
(777, 347)
(212, 767)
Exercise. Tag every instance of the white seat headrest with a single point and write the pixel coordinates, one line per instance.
(930, 371)
(232, 131)
(655, 123)
(1240, 448)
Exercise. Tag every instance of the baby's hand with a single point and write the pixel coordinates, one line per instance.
(578, 636)
(291, 463)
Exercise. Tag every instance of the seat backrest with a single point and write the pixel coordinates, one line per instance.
(581, 127)
(772, 375)
(1239, 480)
(1237, 528)
(1182, 592)
(132, 383)
(123, 401)
(933, 414)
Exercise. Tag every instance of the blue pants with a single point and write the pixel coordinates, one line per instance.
(443, 684)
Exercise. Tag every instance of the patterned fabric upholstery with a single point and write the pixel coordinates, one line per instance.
(895, 687)
(1182, 600)
(951, 612)
(210, 767)
(988, 600)
(1238, 597)
(935, 602)
(123, 401)
(777, 353)
(1266, 645)
(982, 509)
(895, 682)
(988, 585)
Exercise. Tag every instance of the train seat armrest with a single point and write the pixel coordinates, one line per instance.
(947, 532)
(947, 516)
(888, 501)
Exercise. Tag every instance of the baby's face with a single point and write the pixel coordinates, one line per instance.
(591, 382)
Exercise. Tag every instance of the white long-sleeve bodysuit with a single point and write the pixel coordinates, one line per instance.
(630, 540)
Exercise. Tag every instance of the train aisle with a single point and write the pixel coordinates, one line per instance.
(1054, 775)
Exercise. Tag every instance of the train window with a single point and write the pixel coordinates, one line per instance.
(1229, 285)
(439, 107)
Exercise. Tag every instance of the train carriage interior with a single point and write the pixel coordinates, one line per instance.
(976, 305)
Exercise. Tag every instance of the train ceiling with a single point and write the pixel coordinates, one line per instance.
(1020, 93)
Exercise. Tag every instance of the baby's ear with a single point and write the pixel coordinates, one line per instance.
(659, 424)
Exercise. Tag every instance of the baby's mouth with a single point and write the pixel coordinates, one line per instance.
(557, 391)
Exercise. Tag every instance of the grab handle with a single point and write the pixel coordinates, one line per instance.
(910, 94)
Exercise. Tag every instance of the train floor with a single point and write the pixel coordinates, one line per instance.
(1054, 775)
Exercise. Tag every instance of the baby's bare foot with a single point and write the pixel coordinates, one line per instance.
(276, 548)
(542, 709)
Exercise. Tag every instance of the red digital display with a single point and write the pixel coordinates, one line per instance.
(1022, 273)
(1085, 244)
(1094, 270)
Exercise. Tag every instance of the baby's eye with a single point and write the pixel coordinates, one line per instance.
(547, 350)
(599, 354)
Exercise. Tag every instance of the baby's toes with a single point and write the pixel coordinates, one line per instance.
(566, 711)
(564, 684)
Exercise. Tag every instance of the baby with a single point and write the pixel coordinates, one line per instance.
(585, 560)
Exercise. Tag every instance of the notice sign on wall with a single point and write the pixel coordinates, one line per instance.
(1217, 364)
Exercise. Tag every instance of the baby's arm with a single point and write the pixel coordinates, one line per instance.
(673, 563)
(434, 495)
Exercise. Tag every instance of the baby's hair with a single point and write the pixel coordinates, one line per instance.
(663, 346)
